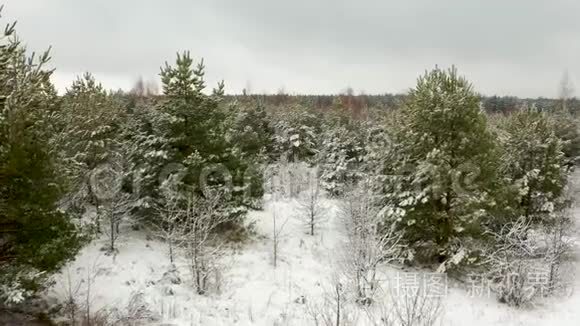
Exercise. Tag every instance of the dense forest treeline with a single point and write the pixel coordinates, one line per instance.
(357, 102)
(492, 104)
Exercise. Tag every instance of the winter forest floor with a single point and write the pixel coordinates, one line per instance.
(254, 292)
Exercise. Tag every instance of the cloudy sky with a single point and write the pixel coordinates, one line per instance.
(515, 47)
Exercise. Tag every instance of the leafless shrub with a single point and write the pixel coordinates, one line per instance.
(171, 215)
(287, 179)
(203, 247)
(92, 274)
(558, 244)
(71, 297)
(101, 317)
(525, 261)
(137, 312)
(368, 242)
(511, 262)
(416, 308)
(78, 296)
(335, 310)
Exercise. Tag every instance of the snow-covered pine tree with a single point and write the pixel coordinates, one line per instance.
(447, 170)
(168, 136)
(252, 130)
(382, 153)
(193, 125)
(147, 149)
(35, 237)
(341, 153)
(250, 140)
(297, 131)
(568, 130)
(533, 161)
(89, 138)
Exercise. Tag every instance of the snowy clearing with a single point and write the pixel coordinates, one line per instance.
(253, 292)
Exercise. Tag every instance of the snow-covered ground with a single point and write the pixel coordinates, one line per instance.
(253, 292)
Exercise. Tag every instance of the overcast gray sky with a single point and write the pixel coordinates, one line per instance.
(506, 47)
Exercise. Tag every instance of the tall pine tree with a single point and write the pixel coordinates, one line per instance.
(35, 237)
(187, 134)
(448, 169)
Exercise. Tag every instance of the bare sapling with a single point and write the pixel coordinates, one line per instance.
(276, 236)
(416, 308)
(311, 209)
(113, 203)
(170, 227)
(558, 245)
(114, 211)
(335, 308)
(511, 262)
(368, 244)
(71, 296)
(78, 295)
(204, 248)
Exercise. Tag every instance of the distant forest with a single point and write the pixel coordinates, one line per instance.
(491, 104)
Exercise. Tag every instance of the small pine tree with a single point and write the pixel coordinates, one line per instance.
(252, 131)
(535, 163)
(568, 130)
(147, 151)
(194, 121)
(341, 154)
(190, 136)
(250, 143)
(297, 133)
(90, 122)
